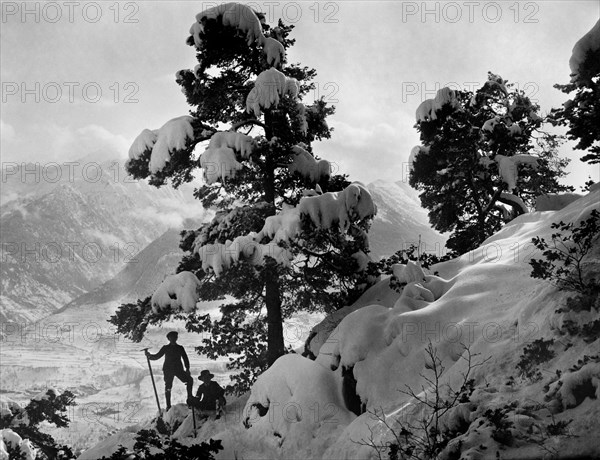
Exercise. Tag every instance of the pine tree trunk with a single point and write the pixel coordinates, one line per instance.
(275, 345)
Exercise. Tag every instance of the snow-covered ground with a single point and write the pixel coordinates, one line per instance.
(78, 350)
(485, 300)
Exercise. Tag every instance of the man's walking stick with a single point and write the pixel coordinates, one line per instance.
(194, 419)
(153, 383)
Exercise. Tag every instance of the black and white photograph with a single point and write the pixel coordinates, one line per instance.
(264, 230)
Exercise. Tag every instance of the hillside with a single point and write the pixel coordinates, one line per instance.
(400, 221)
(138, 278)
(486, 301)
(65, 235)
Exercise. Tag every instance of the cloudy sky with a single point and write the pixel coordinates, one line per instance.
(81, 78)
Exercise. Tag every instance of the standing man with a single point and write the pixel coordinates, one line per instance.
(173, 366)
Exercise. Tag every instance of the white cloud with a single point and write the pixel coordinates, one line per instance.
(67, 143)
(368, 151)
(102, 139)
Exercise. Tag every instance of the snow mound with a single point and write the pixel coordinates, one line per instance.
(570, 389)
(485, 300)
(381, 294)
(173, 135)
(175, 292)
(555, 201)
(295, 400)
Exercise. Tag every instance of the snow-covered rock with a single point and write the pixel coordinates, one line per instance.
(570, 389)
(295, 400)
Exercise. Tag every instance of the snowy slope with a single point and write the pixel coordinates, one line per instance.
(140, 277)
(400, 221)
(485, 300)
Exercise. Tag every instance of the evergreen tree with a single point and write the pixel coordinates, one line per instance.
(582, 113)
(483, 160)
(49, 408)
(288, 235)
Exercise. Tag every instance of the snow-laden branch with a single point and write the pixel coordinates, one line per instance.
(252, 121)
(175, 292)
(23, 446)
(325, 211)
(269, 87)
(512, 200)
(219, 160)
(428, 108)
(219, 257)
(307, 166)
(508, 167)
(173, 135)
(246, 21)
(339, 208)
(589, 43)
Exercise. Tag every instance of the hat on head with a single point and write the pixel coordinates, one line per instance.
(205, 373)
(172, 334)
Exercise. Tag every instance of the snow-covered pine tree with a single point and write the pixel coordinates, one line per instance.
(288, 235)
(483, 160)
(22, 428)
(582, 113)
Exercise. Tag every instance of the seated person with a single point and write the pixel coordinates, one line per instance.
(210, 396)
